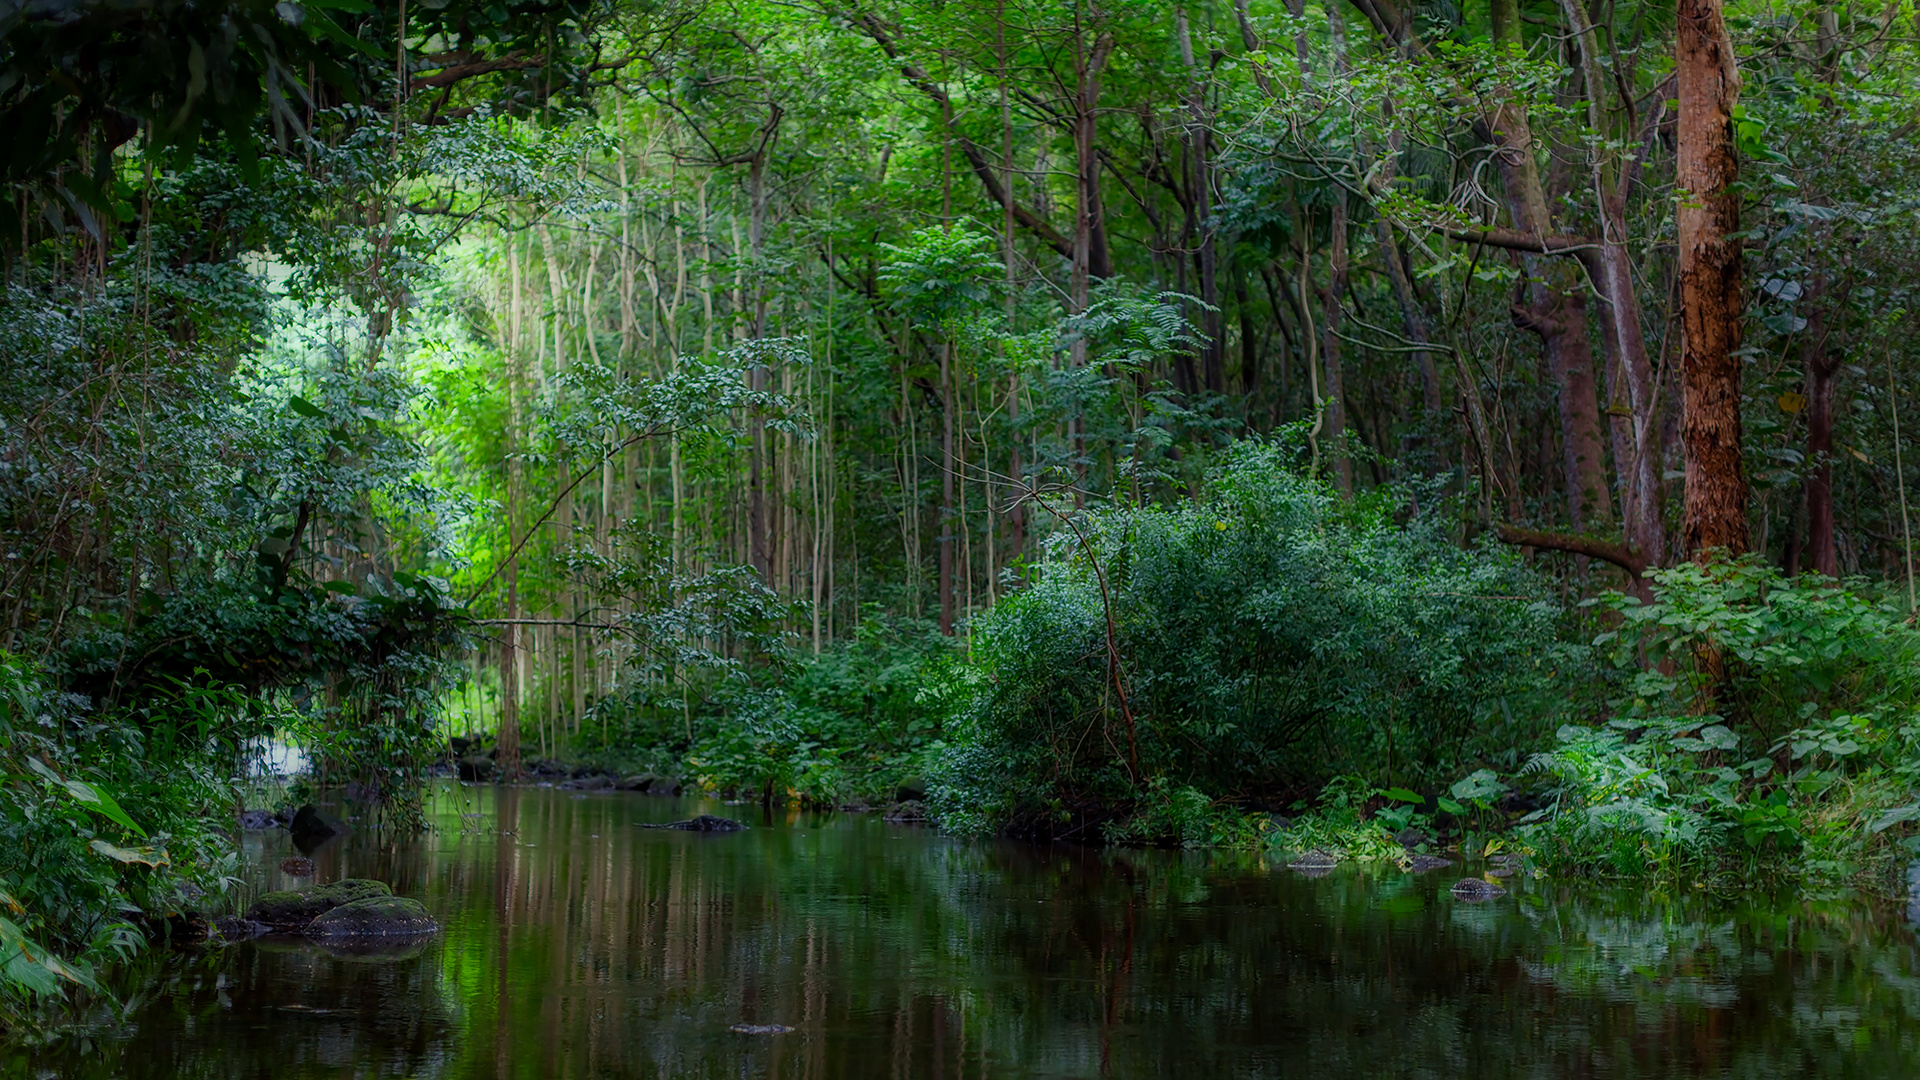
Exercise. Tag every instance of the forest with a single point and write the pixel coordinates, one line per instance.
(1227, 423)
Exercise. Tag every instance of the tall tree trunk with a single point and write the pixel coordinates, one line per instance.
(1413, 317)
(1708, 219)
(1017, 508)
(1200, 184)
(1610, 267)
(946, 522)
(1332, 371)
(1562, 328)
(1820, 367)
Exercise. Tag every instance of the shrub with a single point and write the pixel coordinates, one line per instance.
(1270, 635)
(1762, 725)
(854, 722)
(107, 822)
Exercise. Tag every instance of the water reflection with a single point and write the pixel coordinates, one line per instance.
(577, 945)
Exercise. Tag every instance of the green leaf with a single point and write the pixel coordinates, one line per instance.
(1894, 817)
(1482, 784)
(1400, 794)
(1719, 736)
(87, 795)
(144, 856)
(306, 408)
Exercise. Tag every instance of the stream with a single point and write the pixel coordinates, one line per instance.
(576, 944)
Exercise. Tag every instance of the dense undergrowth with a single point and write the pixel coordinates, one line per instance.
(112, 823)
(1312, 673)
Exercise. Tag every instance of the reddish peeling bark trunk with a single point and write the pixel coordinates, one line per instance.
(1708, 217)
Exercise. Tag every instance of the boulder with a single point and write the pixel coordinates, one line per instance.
(1411, 838)
(1423, 863)
(375, 916)
(912, 789)
(906, 810)
(291, 910)
(232, 928)
(259, 819)
(1477, 890)
(476, 769)
(665, 785)
(311, 828)
(703, 823)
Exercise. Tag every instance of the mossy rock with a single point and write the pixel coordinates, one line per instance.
(377, 916)
(291, 909)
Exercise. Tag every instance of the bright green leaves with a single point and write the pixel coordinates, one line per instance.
(87, 795)
(942, 276)
(146, 856)
(25, 964)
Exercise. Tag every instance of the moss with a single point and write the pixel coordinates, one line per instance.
(294, 909)
(375, 916)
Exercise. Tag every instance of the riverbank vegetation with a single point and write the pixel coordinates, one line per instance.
(1346, 428)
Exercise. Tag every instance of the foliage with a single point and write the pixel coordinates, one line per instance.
(1270, 636)
(851, 724)
(1765, 726)
(107, 822)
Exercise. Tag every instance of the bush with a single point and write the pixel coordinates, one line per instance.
(1762, 726)
(1270, 636)
(107, 823)
(853, 723)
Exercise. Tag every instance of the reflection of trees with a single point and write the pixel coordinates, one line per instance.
(897, 953)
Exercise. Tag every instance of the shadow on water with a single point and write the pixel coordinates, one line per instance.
(577, 945)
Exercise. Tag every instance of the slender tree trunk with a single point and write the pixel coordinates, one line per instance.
(507, 741)
(1611, 269)
(1562, 329)
(1016, 512)
(1708, 219)
(946, 521)
(1200, 184)
(1413, 317)
(1820, 367)
(1333, 372)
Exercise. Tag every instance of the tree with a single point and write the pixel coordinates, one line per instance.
(1708, 221)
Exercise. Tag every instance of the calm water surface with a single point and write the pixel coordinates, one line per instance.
(577, 945)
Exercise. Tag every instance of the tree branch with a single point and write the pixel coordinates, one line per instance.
(1593, 547)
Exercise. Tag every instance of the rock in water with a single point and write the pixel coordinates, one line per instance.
(231, 928)
(1314, 864)
(292, 910)
(258, 819)
(1477, 890)
(376, 916)
(1423, 863)
(703, 823)
(311, 829)
(476, 769)
(909, 810)
(760, 1029)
